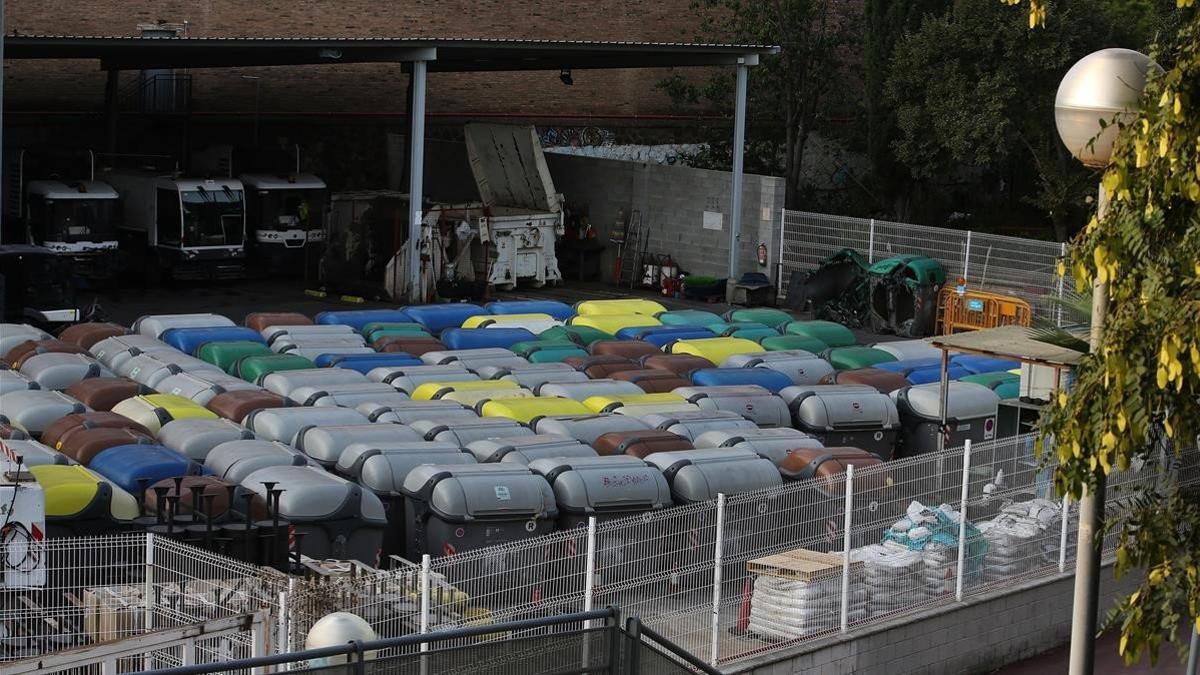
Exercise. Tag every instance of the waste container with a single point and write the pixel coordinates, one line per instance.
(357, 318)
(715, 349)
(83, 444)
(282, 382)
(691, 425)
(484, 338)
(202, 387)
(750, 401)
(33, 410)
(234, 460)
(764, 315)
(254, 368)
(587, 428)
(798, 366)
(847, 358)
(407, 412)
(408, 378)
(260, 320)
(190, 340)
(883, 380)
(771, 380)
(525, 410)
(680, 364)
(612, 323)
(236, 405)
(89, 333)
(772, 444)
(629, 349)
(559, 310)
(282, 424)
(129, 467)
(904, 350)
(828, 332)
(606, 488)
(463, 430)
(525, 449)
(652, 380)
(793, 342)
(851, 415)
(80, 503)
(619, 306)
(582, 335)
(102, 393)
(325, 444)
(580, 391)
(154, 325)
(225, 355)
(195, 438)
(357, 456)
(64, 426)
(639, 443)
(970, 415)
(155, 410)
(601, 367)
(689, 317)
(59, 371)
(535, 374)
(436, 318)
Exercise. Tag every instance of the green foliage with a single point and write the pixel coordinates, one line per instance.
(788, 94)
(1141, 389)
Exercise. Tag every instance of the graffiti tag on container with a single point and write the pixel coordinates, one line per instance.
(624, 480)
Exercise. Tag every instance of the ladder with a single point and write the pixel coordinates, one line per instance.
(629, 251)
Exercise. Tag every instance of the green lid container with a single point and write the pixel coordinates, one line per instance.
(1008, 390)
(528, 347)
(764, 315)
(375, 330)
(254, 368)
(992, 380)
(749, 330)
(688, 317)
(832, 334)
(849, 358)
(225, 355)
(777, 343)
(556, 354)
(581, 335)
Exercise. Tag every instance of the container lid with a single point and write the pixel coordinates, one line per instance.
(225, 455)
(965, 400)
(384, 472)
(833, 406)
(310, 493)
(500, 491)
(497, 449)
(350, 463)
(509, 167)
(776, 449)
(664, 420)
(723, 438)
(407, 412)
(601, 487)
(326, 443)
(550, 467)
(588, 388)
(720, 391)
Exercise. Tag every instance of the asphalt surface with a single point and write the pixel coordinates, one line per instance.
(1108, 661)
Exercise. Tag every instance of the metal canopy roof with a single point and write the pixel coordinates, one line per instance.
(442, 54)
(1009, 342)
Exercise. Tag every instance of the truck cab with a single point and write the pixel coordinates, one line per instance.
(77, 219)
(286, 217)
(190, 228)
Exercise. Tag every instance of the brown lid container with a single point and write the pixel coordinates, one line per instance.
(237, 405)
(87, 334)
(102, 393)
(640, 443)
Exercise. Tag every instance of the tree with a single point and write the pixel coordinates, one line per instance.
(974, 91)
(788, 93)
(1140, 390)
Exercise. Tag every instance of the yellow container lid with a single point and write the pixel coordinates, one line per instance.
(525, 409)
(70, 489)
(480, 319)
(611, 323)
(620, 306)
(716, 349)
(472, 398)
(434, 390)
(599, 403)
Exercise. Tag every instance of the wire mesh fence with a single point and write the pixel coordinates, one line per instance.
(725, 579)
(1025, 268)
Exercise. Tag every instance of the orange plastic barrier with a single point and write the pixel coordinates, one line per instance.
(978, 309)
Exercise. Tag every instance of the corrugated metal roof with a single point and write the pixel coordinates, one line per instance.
(442, 53)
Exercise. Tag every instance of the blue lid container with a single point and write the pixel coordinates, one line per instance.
(131, 466)
(771, 380)
(661, 340)
(906, 366)
(558, 310)
(437, 318)
(483, 338)
(364, 363)
(190, 340)
(641, 332)
(357, 318)
(983, 364)
(927, 375)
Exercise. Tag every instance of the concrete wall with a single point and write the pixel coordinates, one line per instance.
(672, 201)
(975, 636)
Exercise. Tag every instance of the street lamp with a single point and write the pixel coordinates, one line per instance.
(1103, 87)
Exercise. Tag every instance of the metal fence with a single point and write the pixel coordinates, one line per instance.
(1016, 266)
(104, 589)
(693, 573)
(686, 571)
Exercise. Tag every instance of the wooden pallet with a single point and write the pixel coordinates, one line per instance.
(801, 564)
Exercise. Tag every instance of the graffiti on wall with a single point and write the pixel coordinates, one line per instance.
(577, 137)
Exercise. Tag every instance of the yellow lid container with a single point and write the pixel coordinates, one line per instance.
(430, 391)
(524, 410)
(608, 403)
(620, 306)
(611, 323)
(716, 349)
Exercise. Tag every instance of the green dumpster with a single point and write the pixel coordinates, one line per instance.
(781, 342)
(254, 368)
(225, 355)
(582, 335)
(832, 334)
(850, 358)
(764, 315)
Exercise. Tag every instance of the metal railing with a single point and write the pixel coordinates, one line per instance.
(685, 571)
(104, 589)
(1025, 268)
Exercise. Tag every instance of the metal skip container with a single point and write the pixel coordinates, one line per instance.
(851, 415)
(970, 415)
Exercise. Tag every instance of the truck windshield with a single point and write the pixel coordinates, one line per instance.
(212, 217)
(283, 209)
(73, 220)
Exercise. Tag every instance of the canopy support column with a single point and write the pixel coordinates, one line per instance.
(416, 167)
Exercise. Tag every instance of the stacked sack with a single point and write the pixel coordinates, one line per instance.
(1023, 535)
(786, 609)
(934, 532)
(891, 576)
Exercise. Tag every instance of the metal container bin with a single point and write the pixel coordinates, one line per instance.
(282, 424)
(691, 425)
(841, 415)
(462, 431)
(325, 444)
(525, 449)
(586, 428)
(970, 415)
(196, 438)
(750, 401)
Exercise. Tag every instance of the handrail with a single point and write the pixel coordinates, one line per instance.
(636, 629)
(361, 648)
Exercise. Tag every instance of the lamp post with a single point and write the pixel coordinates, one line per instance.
(1100, 87)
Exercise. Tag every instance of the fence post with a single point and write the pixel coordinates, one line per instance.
(718, 562)
(962, 520)
(589, 569)
(424, 624)
(148, 590)
(258, 640)
(871, 243)
(780, 292)
(1062, 255)
(847, 521)
(967, 256)
(288, 643)
(1062, 537)
(281, 624)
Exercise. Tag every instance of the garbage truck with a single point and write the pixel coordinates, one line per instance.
(62, 207)
(285, 208)
(182, 228)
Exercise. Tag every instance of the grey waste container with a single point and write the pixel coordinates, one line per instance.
(970, 415)
(195, 438)
(691, 425)
(580, 391)
(407, 412)
(846, 415)
(282, 424)
(753, 402)
(525, 449)
(803, 367)
(772, 444)
(587, 428)
(464, 430)
(325, 444)
(339, 519)
(234, 460)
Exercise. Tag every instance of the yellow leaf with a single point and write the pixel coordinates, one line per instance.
(1161, 377)
(1164, 99)
(1164, 145)
(1121, 422)
(1121, 647)
(1060, 269)
(1168, 428)
(1062, 399)
(1178, 104)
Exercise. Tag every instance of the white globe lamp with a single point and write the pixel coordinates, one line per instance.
(1103, 85)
